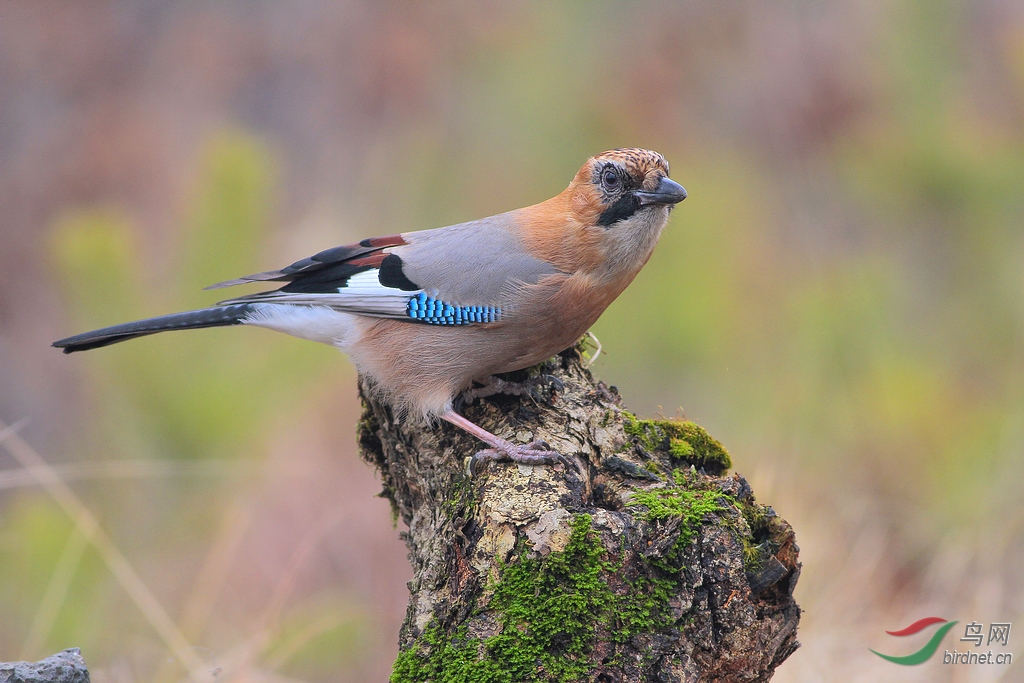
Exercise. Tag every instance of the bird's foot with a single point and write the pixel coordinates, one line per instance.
(537, 452)
(532, 387)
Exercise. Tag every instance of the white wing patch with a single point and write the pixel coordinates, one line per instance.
(364, 290)
(362, 294)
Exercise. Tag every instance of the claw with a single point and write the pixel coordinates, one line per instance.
(495, 385)
(473, 463)
(537, 452)
(558, 384)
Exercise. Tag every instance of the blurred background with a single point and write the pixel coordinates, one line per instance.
(840, 300)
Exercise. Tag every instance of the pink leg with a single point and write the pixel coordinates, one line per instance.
(536, 453)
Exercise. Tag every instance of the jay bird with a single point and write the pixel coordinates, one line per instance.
(425, 314)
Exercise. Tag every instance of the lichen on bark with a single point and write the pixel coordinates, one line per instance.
(641, 561)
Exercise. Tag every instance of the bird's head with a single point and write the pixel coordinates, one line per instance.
(608, 220)
(623, 184)
(619, 203)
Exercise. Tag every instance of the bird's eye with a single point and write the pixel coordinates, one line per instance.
(610, 179)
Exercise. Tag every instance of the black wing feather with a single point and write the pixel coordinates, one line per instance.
(317, 273)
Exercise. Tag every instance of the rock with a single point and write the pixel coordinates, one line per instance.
(63, 667)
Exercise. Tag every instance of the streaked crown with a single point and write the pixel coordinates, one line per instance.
(616, 184)
(638, 162)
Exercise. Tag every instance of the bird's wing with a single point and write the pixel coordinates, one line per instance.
(481, 262)
(333, 265)
(459, 274)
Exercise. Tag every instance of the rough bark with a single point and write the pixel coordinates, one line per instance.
(63, 667)
(642, 561)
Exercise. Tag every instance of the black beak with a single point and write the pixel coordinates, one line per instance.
(669, 192)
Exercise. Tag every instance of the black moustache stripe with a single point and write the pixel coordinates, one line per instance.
(624, 207)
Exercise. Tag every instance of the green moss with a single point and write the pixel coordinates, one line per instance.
(753, 557)
(690, 505)
(757, 546)
(461, 502)
(756, 517)
(643, 608)
(683, 440)
(549, 611)
(439, 657)
(681, 449)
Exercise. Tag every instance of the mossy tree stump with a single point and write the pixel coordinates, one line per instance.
(644, 562)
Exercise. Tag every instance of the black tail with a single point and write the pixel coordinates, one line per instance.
(217, 316)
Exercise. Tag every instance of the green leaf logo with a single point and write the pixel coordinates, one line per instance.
(930, 647)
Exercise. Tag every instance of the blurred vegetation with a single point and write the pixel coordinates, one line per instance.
(166, 398)
(240, 387)
(897, 360)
